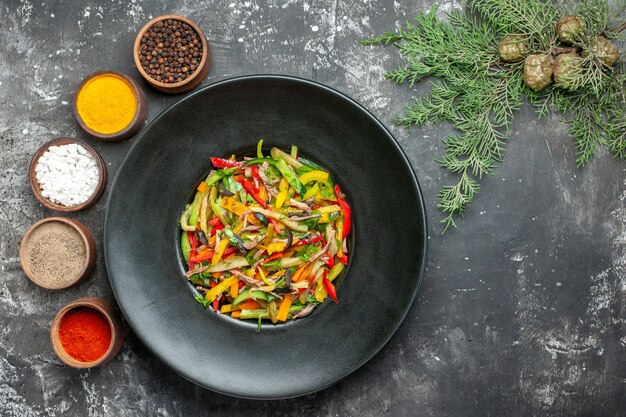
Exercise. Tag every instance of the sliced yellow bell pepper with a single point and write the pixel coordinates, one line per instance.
(283, 185)
(234, 206)
(277, 273)
(269, 237)
(220, 251)
(283, 310)
(234, 289)
(296, 275)
(281, 197)
(275, 247)
(321, 176)
(329, 209)
(339, 224)
(203, 188)
(320, 292)
(312, 192)
(326, 211)
(263, 277)
(238, 228)
(226, 308)
(262, 192)
(219, 288)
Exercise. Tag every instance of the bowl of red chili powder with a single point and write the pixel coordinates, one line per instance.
(86, 333)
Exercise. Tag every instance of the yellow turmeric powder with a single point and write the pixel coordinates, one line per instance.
(106, 103)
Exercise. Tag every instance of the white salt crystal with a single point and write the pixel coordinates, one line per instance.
(67, 174)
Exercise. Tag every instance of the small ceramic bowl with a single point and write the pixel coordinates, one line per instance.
(141, 111)
(33, 236)
(117, 332)
(190, 82)
(36, 188)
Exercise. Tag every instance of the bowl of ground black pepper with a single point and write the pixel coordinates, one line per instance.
(87, 333)
(57, 253)
(172, 54)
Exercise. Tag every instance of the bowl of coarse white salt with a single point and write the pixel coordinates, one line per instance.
(67, 175)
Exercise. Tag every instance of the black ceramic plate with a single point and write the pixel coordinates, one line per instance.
(155, 182)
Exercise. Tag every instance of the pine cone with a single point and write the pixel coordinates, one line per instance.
(570, 28)
(538, 71)
(603, 49)
(567, 68)
(512, 48)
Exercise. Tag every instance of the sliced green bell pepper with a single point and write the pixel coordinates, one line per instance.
(290, 176)
(212, 179)
(259, 149)
(195, 209)
(219, 211)
(245, 295)
(185, 246)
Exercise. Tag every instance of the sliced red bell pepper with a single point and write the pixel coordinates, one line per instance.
(200, 258)
(274, 256)
(301, 242)
(216, 302)
(209, 254)
(193, 242)
(249, 187)
(345, 208)
(257, 178)
(220, 226)
(215, 221)
(275, 225)
(225, 163)
(255, 172)
(330, 261)
(344, 259)
(330, 288)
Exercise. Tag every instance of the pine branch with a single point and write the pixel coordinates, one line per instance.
(455, 198)
(534, 18)
(587, 130)
(437, 107)
(479, 93)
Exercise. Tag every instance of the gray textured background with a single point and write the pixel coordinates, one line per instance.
(523, 308)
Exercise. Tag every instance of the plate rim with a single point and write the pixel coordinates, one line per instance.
(394, 142)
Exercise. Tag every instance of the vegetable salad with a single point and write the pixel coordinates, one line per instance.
(265, 237)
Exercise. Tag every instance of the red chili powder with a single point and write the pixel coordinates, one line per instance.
(85, 334)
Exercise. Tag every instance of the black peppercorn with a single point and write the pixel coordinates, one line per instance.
(170, 51)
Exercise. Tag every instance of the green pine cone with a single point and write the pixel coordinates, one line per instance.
(603, 49)
(512, 48)
(538, 71)
(569, 29)
(567, 69)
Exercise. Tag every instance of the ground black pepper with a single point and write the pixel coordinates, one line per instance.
(170, 51)
(55, 254)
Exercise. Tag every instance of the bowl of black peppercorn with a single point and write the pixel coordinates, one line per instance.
(172, 54)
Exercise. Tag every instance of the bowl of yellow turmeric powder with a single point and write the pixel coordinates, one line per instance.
(110, 105)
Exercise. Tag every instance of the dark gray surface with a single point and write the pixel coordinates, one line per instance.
(523, 308)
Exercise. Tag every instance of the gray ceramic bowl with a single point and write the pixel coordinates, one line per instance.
(155, 182)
